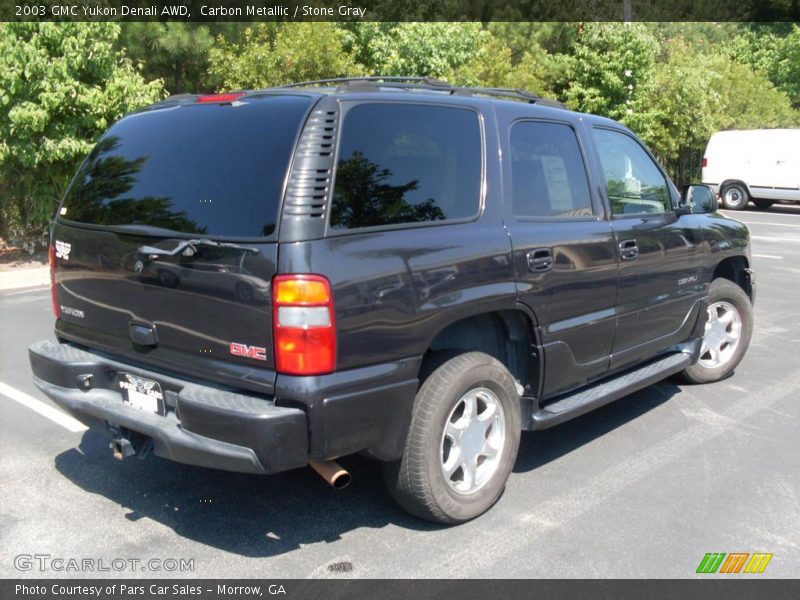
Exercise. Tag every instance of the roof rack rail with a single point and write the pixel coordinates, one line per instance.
(427, 83)
(432, 81)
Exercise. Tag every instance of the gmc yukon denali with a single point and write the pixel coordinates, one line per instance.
(413, 271)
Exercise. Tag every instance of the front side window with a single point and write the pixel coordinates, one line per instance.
(548, 176)
(406, 163)
(634, 183)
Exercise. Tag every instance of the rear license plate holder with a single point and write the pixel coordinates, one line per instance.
(142, 393)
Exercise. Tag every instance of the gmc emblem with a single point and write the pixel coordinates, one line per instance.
(254, 352)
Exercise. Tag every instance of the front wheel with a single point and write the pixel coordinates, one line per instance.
(462, 441)
(727, 333)
(735, 196)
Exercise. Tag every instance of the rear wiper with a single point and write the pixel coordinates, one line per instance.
(189, 248)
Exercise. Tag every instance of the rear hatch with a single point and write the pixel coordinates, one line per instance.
(165, 244)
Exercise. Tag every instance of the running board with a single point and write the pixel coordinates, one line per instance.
(599, 394)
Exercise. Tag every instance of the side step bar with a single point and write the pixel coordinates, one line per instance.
(579, 403)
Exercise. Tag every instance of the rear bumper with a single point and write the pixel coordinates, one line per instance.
(203, 425)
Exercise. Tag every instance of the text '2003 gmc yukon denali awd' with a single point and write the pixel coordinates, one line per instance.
(405, 269)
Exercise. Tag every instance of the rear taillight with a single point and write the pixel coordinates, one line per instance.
(704, 162)
(303, 327)
(51, 255)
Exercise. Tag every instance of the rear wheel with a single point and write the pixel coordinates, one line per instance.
(727, 333)
(462, 442)
(735, 196)
(763, 204)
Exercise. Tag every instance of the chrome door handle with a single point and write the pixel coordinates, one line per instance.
(539, 260)
(628, 250)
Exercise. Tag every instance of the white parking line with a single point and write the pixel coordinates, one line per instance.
(748, 223)
(767, 256)
(740, 215)
(774, 238)
(55, 415)
(34, 290)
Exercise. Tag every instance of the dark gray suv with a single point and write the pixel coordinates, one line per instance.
(401, 268)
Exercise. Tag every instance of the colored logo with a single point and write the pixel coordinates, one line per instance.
(734, 562)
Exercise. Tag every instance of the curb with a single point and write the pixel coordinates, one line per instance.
(22, 278)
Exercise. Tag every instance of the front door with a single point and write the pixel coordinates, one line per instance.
(660, 254)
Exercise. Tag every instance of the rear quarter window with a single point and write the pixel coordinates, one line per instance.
(406, 163)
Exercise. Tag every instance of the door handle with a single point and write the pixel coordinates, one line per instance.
(540, 260)
(628, 250)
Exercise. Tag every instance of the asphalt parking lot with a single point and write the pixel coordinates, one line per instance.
(643, 487)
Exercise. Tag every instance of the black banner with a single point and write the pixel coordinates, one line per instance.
(545, 589)
(399, 10)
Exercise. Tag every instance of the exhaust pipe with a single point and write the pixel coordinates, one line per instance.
(122, 448)
(332, 472)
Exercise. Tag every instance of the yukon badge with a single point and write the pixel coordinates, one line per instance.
(254, 352)
(62, 250)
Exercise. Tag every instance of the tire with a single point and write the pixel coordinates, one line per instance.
(724, 297)
(763, 204)
(417, 481)
(735, 196)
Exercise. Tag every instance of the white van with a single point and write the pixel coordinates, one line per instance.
(762, 165)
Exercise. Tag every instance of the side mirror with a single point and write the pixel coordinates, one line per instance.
(697, 199)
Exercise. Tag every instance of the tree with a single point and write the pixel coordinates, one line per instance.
(61, 85)
(417, 49)
(694, 92)
(177, 52)
(773, 52)
(604, 66)
(272, 54)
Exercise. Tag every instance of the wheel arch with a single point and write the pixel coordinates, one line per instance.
(731, 181)
(737, 270)
(509, 335)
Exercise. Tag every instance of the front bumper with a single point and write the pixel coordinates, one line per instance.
(203, 425)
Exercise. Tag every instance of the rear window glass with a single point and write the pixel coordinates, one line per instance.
(547, 172)
(406, 163)
(204, 169)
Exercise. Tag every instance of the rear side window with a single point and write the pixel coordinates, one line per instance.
(406, 163)
(547, 172)
(200, 169)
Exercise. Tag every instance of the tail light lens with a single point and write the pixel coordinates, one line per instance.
(704, 162)
(51, 255)
(303, 327)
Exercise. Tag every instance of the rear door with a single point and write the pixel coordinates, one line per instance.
(166, 240)
(564, 251)
(661, 256)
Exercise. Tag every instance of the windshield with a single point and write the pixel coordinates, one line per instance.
(199, 169)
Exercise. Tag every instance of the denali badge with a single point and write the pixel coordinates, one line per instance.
(62, 250)
(254, 352)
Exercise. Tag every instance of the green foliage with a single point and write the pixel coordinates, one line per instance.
(418, 49)
(695, 92)
(176, 52)
(273, 54)
(773, 54)
(601, 71)
(61, 85)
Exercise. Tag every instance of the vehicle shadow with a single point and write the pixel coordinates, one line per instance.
(538, 448)
(267, 516)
